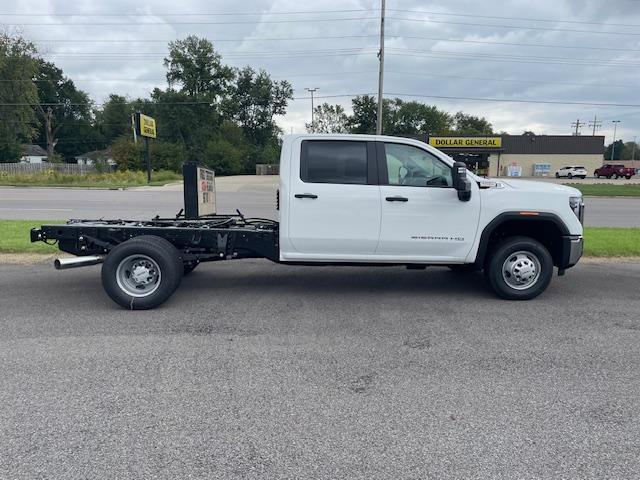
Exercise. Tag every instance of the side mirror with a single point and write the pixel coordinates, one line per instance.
(460, 181)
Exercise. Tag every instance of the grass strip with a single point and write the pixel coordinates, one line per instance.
(120, 179)
(599, 241)
(607, 190)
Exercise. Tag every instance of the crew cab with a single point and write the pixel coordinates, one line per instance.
(573, 171)
(350, 200)
(609, 170)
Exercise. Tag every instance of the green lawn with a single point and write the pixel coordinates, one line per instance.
(612, 242)
(607, 190)
(120, 179)
(14, 237)
(599, 241)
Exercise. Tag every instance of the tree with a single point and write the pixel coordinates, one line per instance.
(65, 112)
(619, 152)
(194, 64)
(114, 119)
(254, 100)
(227, 150)
(328, 119)
(466, 124)
(363, 119)
(414, 118)
(18, 94)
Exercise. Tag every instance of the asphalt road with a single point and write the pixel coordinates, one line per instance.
(254, 196)
(254, 370)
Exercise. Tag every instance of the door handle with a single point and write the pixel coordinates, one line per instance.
(306, 195)
(397, 199)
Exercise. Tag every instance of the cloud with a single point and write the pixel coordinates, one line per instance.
(460, 49)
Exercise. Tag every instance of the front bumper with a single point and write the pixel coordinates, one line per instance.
(572, 247)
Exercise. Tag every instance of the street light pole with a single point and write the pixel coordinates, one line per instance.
(381, 71)
(312, 91)
(613, 145)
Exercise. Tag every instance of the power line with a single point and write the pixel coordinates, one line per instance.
(507, 80)
(310, 12)
(140, 24)
(443, 97)
(518, 27)
(246, 39)
(436, 56)
(359, 72)
(545, 58)
(528, 19)
(513, 100)
(182, 14)
(514, 44)
(341, 37)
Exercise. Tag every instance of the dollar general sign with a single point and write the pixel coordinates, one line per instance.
(146, 126)
(465, 142)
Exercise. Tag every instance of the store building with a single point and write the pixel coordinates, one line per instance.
(521, 155)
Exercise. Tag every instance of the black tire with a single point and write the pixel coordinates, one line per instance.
(596, 175)
(466, 268)
(628, 177)
(557, 175)
(528, 250)
(616, 176)
(569, 176)
(190, 267)
(164, 267)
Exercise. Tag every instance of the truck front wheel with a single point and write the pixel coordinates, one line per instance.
(520, 268)
(142, 273)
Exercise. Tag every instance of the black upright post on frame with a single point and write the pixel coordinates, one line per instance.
(147, 158)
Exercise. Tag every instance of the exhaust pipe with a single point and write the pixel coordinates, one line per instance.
(75, 262)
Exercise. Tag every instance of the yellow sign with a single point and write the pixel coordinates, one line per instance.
(147, 126)
(465, 142)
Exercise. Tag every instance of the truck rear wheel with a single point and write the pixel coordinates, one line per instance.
(142, 273)
(520, 268)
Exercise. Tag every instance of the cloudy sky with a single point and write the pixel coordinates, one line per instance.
(456, 54)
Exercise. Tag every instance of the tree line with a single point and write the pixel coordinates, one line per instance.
(220, 116)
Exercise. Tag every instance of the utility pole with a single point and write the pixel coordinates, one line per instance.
(577, 125)
(595, 124)
(312, 91)
(381, 71)
(613, 145)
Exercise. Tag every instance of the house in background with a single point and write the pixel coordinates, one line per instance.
(90, 158)
(33, 154)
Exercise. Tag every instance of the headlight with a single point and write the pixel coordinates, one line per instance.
(577, 205)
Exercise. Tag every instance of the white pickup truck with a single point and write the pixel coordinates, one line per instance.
(356, 200)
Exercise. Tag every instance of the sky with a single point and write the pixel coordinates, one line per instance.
(455, 54)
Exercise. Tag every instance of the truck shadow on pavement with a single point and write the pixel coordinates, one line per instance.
(262, 277)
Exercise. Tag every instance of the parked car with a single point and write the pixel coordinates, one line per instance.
(614, 170)
(572, 171)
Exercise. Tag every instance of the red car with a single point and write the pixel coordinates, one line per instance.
(614, 170)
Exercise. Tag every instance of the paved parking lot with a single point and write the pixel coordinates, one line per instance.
(255, 370)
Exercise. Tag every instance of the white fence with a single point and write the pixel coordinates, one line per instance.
(30, 168)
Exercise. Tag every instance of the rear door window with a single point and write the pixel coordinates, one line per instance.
(334, 161)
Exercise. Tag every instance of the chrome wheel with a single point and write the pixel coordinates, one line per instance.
(138, 275)
(521, 270)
